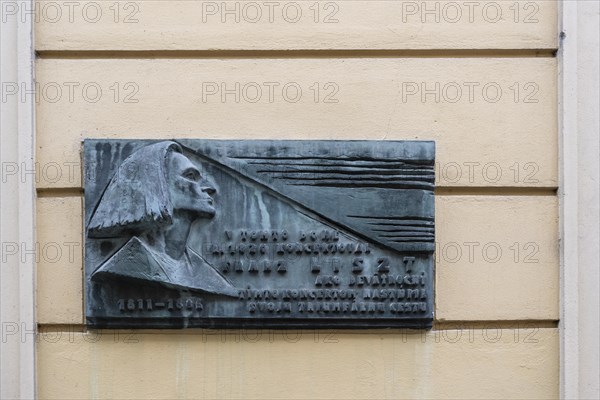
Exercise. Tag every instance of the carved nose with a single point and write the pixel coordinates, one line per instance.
(209, 190)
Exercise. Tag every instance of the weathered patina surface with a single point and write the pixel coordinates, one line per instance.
(207, 233)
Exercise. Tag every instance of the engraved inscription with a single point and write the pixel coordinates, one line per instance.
(203, 233)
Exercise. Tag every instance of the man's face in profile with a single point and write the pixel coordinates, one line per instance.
(189, 190)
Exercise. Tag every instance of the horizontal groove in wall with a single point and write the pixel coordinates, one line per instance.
(357, 53)
(440, 191)
(48, 329)
(518, 324)
(60, 192)
(495, 191)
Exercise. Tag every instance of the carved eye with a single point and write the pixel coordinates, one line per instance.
(191, 174)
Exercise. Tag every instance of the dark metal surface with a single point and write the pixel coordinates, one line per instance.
(281, 234)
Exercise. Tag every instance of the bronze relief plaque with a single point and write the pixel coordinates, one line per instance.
(250, 234)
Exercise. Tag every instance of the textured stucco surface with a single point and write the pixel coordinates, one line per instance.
(496, 176)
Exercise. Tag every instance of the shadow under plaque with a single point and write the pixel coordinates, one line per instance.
(251, 234)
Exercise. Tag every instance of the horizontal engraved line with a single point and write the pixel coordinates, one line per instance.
(404, 218)
(347, 164)
(368, 178)
(413, 240)
(337, 159)
(409, 228)
(402, 224)
(383, 185)
(408, 235)
(347, 171)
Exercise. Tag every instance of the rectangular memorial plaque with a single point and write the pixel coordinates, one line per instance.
(280, 234)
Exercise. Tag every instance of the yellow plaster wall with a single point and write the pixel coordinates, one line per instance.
(482, 139)
(471, 363)
(496, 259)
(302, 25)
(495, 332)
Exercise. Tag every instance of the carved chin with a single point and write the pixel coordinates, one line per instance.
(205, 212)
(210, 212)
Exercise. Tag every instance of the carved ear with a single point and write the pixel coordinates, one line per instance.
(137, 197)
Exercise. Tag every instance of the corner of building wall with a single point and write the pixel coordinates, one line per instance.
(579, 241)
(17, 236)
